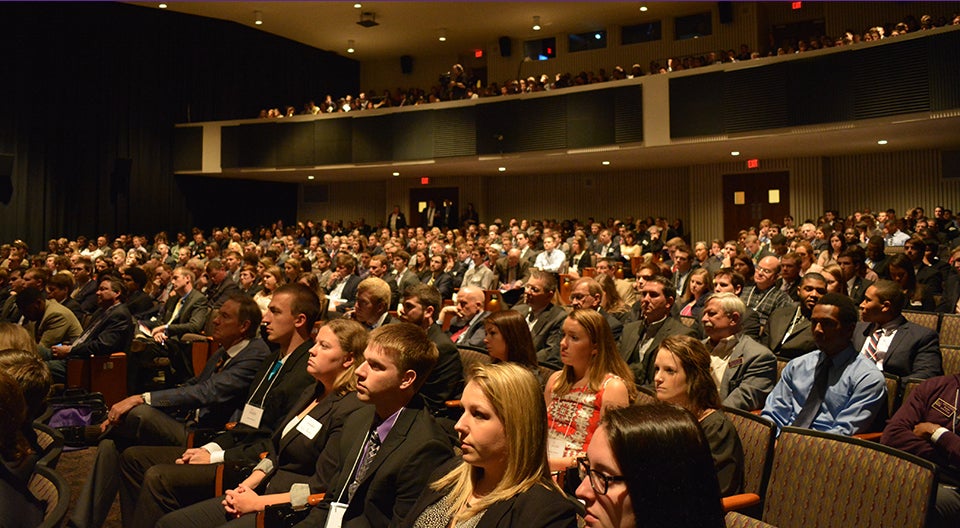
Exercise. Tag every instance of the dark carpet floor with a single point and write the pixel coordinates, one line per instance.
(75, 466)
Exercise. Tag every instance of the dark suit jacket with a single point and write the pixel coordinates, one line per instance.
(445, 381)
(547, 333)
(914, 351)
(288, 384)
(882, 267)
(410, 278)
(295, 455)
(859, 289)
(219, 294)
(750, 375)
(87, 297)
(139, 303)
(113, 332)
(217, 394)
(612, 252)
(615, 325)
(443, 283)
(401, 220)
(474, 335)
(630, 342)
(349, 293)
(538, 506)
(800, 340)
(502, 271)
(396, 476)
(192, 316)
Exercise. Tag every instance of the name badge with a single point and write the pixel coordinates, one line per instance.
(735, 363)
(309, 427)
(335, 516)
(944, 408)
(555, 447)
(251, 416)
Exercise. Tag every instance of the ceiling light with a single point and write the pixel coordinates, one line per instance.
(258, 18)
(350, 46)
(357, 5)
(502, 169)
(643, 9)
(882, 142)
(396, 173)
(735, 153)
(162, 6)
(536, 23)
(604, 162)
(442, 35)
(368, 19)
(310, 177)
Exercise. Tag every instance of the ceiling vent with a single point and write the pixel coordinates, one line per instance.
(368, 20)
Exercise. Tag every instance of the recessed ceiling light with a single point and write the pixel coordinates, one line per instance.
(735, 153)
(643, 8)
(442, 35)
(502, 169)
(258, 18)
(358, 5)
(396, 173)
(605, 162)
(350, 46)
(310, 177)
(882, 142)
(162, 6)
(536, 23)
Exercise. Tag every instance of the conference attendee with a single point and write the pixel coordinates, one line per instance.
(550, 259)
(221, 286)
(21, 508)
(209, 400)
(608, 267)
(375, 474)
(138, 302)
(110, 330)
(508, 339)
(466, 327)
(587, 294)
(594, 378)
(698, 286)
(894, 344)
(421, 305)
(342, 286)
(641, 339)
(271, 279)
(834, 389)
(919, 297)
(789, 333)
(728, 280)
(481, 275)
(402, 276)
(605, 246)
(438, 278)
(611, 302)
(512, 273)
(877, 260)
(502, 477)
(59, 286)
(85, 292)
(649, 465)
(923, 426)
(313, 422)
(395, 220)
(248, 283)
(743, 370)
(789, 280)
(580, 257)
(854, 271)
(527, 251)
(51, 322)
(684, 377)
(372, 308)
(544, 318)
(763, 295)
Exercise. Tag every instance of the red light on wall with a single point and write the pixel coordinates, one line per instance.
(753, 164)
(796, 5)
(425, 181)
(478, 54)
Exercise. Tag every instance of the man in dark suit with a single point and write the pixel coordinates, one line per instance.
(375, 474)
(110, 330)
(512, 273)
(789, 282)
(276, 387)
(438, 278)
(788, 332)
(641, 339)
(586, 293)
(214, 396)
(450, 217)
(372, 308)
(395, 220)
(896, 345)
(431, 216)
(342, 286)
(749, 369)
(185, 312)
(467, 327)
(139, 302)
(421, 305)
(877, 260)
(605, 247)
(544, 318)
(85, 292)
(221, 285)
(853, 269)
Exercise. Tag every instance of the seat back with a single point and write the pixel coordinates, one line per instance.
(757, 436)
(739, 520)
(893, 393)
(951, 360)
(781, 362)
(103, 374)
(470, 356)
(821, 479)
(929, 320)
(51, 442)
(51, 488)
(950, 330)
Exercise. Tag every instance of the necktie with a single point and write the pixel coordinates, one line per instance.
(370, 452)
(817, 393)
(872, 351)
(220, 362)
(176, 311)
(261, 394)
(459, 333)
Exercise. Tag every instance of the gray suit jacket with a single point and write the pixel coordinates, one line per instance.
(750, 376)
(630, 341)
(474, 335)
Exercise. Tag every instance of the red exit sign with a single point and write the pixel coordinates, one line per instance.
(753, 164)
(796, 5)
(425, 181)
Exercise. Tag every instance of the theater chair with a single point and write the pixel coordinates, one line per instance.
(104, 374)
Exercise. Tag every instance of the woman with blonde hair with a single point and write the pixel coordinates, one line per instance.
(16, 337)
(698, 287)
(271, 279)
(594, 378)
(502, 478)
(612, 302)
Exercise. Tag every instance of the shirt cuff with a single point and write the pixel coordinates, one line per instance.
(216, 452)
(938, 433)
(146, 398)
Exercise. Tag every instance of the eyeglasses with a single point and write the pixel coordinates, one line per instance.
(766, 271)
(598, 481)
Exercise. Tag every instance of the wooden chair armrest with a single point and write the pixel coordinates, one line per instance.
(870, 437)
(230, 426)
(218, 482)
(315, 499)
(193, 338)
(453, 404)
(263, 455)
(740, 502)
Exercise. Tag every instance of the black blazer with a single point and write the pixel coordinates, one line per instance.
(630, 340)
(547, 333)
(914, 351)
(445, 381)
(396, 476)
(538, 507)
(800, 340)
(113, 332)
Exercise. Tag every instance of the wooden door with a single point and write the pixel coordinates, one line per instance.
(751, 197)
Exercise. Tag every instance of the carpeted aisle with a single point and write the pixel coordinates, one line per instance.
(75, 466)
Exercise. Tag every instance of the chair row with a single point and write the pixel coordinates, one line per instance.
(945, 324)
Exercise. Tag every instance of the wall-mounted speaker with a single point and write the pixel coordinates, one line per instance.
(505, 46)
(406, 64)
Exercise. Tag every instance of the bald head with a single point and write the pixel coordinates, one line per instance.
(470, 301)
(768, 269)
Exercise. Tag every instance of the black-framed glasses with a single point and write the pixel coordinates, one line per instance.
(598, 481)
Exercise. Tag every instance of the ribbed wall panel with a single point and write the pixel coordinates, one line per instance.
(454, 133)
(348, 201)
(901, 180)
(843, 16)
